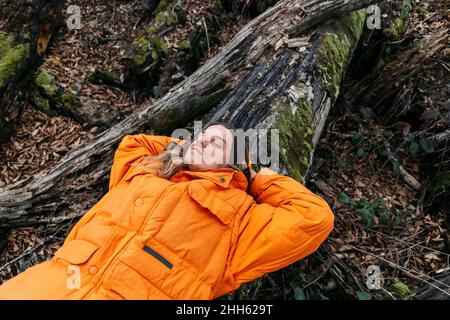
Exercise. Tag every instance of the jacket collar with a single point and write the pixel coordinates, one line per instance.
(224, 177)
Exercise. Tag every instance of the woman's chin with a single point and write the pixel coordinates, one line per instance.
(198, 167)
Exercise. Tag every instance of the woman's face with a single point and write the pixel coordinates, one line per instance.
(211, 149)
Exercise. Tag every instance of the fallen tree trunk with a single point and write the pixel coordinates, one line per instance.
(437, 289)
(386, 85)
(151, 66)
(21, 50)
(294, 93)
(305, 91)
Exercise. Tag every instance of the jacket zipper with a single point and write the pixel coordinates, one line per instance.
(158, 257)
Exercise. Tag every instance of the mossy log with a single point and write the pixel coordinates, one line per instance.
(380, 88)
(143, 58)
(149, 62)
(21, 51)
(305, 91)
(53, 99)
(294, 93)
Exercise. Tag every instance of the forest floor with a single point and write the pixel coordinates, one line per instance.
(380, 219)
(40, 140)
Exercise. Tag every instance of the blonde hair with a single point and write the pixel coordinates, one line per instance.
(167, 163)
(170, 161)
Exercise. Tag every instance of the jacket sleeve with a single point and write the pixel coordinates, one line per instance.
(287, 223)
(132, 149)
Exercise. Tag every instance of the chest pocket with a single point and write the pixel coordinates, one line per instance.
(76, 251)
(210, 199)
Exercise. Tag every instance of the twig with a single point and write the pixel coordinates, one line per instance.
(321, 274)
(440, 137)
(207, 36)
(409, 179)
(446, 66)
(405, 270)
(29, 251)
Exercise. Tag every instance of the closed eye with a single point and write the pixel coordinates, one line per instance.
(218, 141)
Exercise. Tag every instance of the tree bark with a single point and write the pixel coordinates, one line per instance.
(380, 87)
(438, 290)
(266, 54)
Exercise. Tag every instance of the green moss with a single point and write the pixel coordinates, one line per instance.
(142, 50)
(139, 59)
(205, 103)
(52, 98)
(167, 120)
(170, 18)
(423, 10)
(397, 29)
(44, 78)
(52, 93)
(46, 82)
(159, 45)
(42, 104)
(6, 42)
(155, 48)
(141, 41)
(166, 17)
(159, 50)
(401, 290)
(163, 17)
(184, 45)
(67, 100)
(335, 48)
(11, 56)
(295, 125)
(355, 21)
(100, 75)
(331, 62)
(153, 29)
(109, 74)
(162, 6)
(175, 118)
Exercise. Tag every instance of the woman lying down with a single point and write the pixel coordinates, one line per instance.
(173, 228)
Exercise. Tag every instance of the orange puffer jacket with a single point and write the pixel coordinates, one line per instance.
(199, 235)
